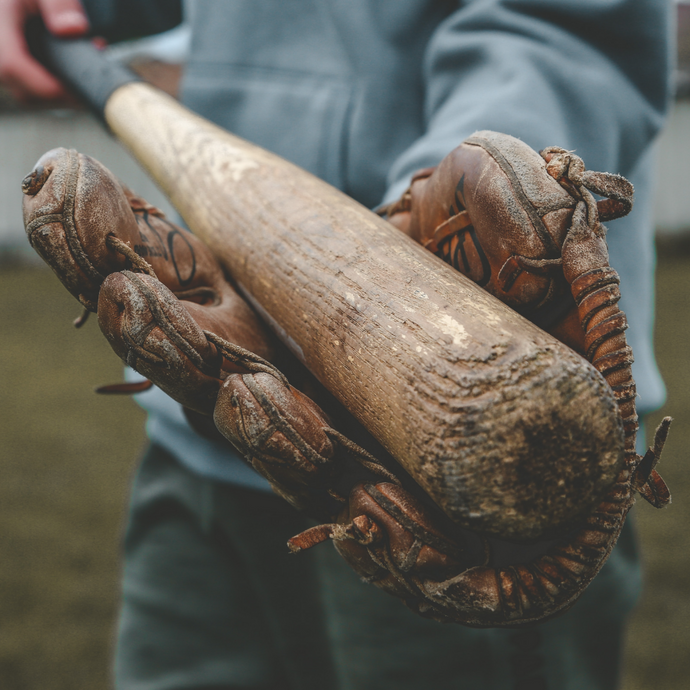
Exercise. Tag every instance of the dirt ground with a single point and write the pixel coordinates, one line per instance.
(67, 456)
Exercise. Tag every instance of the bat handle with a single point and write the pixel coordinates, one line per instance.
(77, 62)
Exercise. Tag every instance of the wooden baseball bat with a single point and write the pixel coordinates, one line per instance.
(509, 431)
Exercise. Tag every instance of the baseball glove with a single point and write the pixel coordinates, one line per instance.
(524, 227)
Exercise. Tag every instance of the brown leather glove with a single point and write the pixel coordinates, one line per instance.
(167, 310)
(493, 212)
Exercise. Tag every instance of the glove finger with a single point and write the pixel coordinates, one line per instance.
(500, 183)
(404, 520)
(69, 208)
(282, 434)
(153, 332)
(73, 205)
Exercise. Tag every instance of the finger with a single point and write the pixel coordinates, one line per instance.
(151, 331)
(64, 18)
(19, 71)
(27, 80)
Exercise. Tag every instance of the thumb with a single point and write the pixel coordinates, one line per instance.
(64, 18)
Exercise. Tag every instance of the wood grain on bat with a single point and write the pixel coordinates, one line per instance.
(508, 430)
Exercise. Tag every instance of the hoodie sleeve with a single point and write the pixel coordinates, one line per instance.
(589, 75)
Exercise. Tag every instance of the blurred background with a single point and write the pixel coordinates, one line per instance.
(67, 455)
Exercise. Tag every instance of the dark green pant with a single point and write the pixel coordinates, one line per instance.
(213, 599)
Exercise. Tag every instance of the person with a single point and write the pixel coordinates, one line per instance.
(363, 94)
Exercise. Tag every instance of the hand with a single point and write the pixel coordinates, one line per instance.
(25, 78)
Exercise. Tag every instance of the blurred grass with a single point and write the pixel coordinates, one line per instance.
(65, 462)
(67, 455)
(658, 648)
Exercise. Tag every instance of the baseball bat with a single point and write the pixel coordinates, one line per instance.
(508, 430)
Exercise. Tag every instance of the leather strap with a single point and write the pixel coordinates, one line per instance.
(447, 229)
